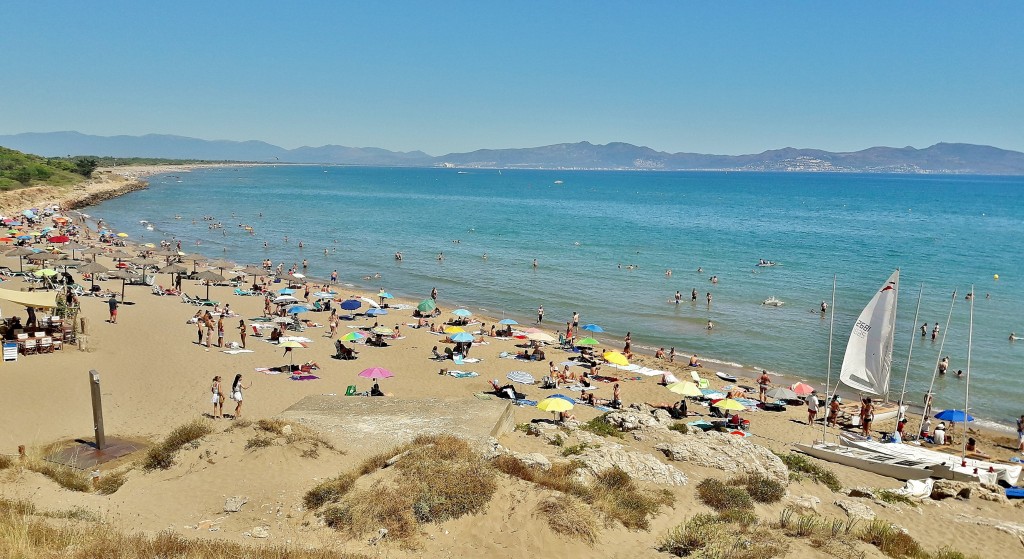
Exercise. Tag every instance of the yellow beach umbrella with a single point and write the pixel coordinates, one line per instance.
(453, 330)
(383, 331)
(555, 405)
(616, 358)
(540, 337)
(729, 404)
(685, 389)
(122, 235)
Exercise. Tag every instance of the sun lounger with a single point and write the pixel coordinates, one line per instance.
(351, 390)
(701, 382)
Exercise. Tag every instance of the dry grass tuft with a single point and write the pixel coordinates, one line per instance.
(510, 465)
(722, 497)
(800, 465)
(761, 488)
(330, 491)
(711, 537)
(259, 441)
(891, 540)
(569, 517)
(381, 506)
(65, 476)
(6, 462)
(110, 482)
(601, 426)
(162, 455)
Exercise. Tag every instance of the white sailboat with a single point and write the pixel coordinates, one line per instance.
(868, 358)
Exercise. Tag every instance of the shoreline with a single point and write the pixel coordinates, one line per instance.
(113, 182)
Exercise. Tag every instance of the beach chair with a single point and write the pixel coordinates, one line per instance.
(701, 382)
(46, 345)
(157, 290)
(351, 390)
(243, 293)
(29, 346)
(186, 299)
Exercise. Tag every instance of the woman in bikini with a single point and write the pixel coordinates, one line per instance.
(236, 393)
(217, 398)
(241, 331)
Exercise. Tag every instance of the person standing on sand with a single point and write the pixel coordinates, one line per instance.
(672, 355)
(217, 398)
(833, 410)
(763, 382)
(220, 331)
(111, 303)
(241, 331)
(575, 321)
(812, 407)
(867, 415)
(236, 394)
(1020, 434)
(199, 329)
(540, 314)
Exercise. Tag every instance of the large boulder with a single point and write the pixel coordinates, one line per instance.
(632, 419)
(946, 488)
(856, 509)
(726, 452)
(638, 465)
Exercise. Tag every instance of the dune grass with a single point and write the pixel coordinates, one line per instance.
(601, 426)
(568, 516)
(26, 533)
(722, 497)
(162, 455)
(761, 489)
(801, 465)
(710, 536)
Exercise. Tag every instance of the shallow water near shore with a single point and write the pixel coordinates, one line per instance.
(947, 232)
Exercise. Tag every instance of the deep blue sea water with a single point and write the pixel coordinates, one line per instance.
(945, 232)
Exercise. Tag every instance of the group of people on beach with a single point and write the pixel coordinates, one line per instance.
(217, 396)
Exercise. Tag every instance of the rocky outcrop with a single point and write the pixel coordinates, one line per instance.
(808, 503)
(946, 488)
(855, 509)
(725, 452)
(234, 504)
(639, 417)
(638, 465)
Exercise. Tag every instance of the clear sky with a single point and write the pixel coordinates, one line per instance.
(710, 77)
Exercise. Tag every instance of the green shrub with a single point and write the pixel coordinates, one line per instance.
(329, 491)
(891, 541)
(575, 449)
(109, 483)
(162, 455)
(803, 465)
(679, 427)
(892, 497)
(691, 536)
(764, 489)
(721, 497)
(258, 442)
(600, 426)
(65, 476)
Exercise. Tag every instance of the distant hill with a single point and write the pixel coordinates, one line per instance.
(19, 170)
(939, 158)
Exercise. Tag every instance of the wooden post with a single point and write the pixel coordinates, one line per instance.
(97, 409)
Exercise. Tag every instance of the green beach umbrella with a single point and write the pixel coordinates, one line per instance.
(588, 341)
(426, 305)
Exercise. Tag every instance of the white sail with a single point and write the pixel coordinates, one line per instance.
(869, 351)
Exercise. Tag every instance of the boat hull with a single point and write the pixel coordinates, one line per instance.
(946, 466)
(881, 464)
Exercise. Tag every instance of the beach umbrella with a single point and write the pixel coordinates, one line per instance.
(66, 262)
(41, 256)
(145, 262)
(290, 345)
(167, 252)
(593, 328)
(532, 330)
(285, 291)
(285, 299)
(45, 273)
(382, 330)
(6, 239)
(426, 305)
(954, 416)
(21, 252)
(298, 275)
(73, 247)
(540, 337)
(59, 239)
(209, 277)
(521, 377)
(729, 404)
(462, 337)
(122, 235)
(120, 255)
(94, 250)
(782, 393)
(350, 305)
(92, 269)
(462, 312)
(616, 358)
(685, 389)
(454, 329)
(172, 269)
(297, 309)
(370, 302)
(124, 276)
(195, 259)
(588, 341)
(353, 337)
(376, 312)
(324, 295)
(281, 320)
(376, 373)
(802, 389)
(221, 265)
(255, 271)
(555, 405)
(507, 321)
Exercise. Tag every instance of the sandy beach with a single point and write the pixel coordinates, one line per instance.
(155, 376)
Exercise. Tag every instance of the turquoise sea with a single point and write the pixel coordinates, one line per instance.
(587, 229)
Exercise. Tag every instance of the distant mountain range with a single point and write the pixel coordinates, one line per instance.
(939, 158)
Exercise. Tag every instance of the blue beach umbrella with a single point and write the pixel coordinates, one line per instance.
(462, 337)
(297, 309)
(385, 295)
(462, 312)
(285, 291)
(376, 312)
(507, 321)
(350, 305)
(593, 328)
(564, 397)
(955, 416)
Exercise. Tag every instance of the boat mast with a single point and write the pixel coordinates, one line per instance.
(892, 335)
(910, 352)
(935, 372)
(828, 370)
(967, 388)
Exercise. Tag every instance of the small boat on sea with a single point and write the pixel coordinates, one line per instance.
(773, 302)
(766, 263)
(888, 465)
(725, 377)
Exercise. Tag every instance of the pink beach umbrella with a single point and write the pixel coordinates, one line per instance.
(802, 389)
(376, 373)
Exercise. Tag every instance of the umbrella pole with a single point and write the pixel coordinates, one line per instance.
(21, 263)
(207, 290)
(123, 282)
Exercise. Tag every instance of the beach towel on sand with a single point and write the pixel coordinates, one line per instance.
(235, 351)
(529, 403)
(463, 374)
(268, 371)
(303, 377)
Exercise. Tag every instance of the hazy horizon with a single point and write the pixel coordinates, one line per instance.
(452, 77)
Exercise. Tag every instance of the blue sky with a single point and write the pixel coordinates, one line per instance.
(709, 77)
